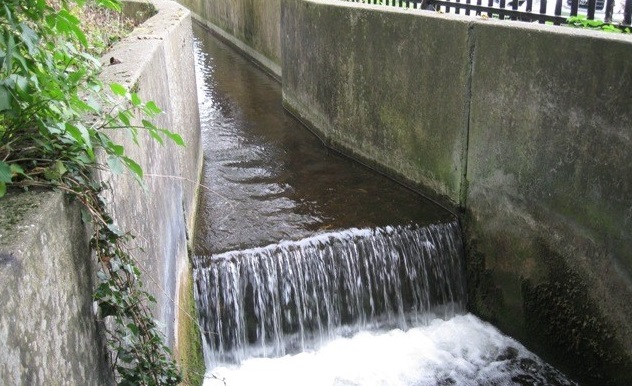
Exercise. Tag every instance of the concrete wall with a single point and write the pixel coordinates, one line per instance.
(48, 332)
(550, 192)
(251, 25)
(525, 128)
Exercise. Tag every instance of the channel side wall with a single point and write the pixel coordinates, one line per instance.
(253, 26)
(371, 82)
(550, 192)
(48, 330)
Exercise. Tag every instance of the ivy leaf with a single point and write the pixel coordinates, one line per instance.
(5, 99)
(5, 172)
(3, 189)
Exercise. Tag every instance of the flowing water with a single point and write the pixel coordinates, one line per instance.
(311, 269)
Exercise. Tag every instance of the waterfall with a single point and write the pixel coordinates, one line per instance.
(284, 297)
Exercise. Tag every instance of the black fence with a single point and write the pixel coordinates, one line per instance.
(613, 12)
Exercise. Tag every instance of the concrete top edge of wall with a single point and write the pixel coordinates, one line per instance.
(125, 62)
(476, 22)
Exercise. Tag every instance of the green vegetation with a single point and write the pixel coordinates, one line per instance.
(55, 120)
(582, 22)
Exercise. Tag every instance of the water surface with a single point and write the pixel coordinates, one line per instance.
(268, 177)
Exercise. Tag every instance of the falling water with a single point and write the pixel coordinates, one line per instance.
(281, 298)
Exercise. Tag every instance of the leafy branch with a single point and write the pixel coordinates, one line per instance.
(55, 116)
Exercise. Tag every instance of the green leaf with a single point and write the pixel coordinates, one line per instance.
(135, 99)
(3, 189)
(175, 138)
(80, 134)
(152, 108)
(30, 38)
(118, 89)
(124, 117)
(156, 136)
(5, 98)
(5, 172)
(116, 149)
(85, 216)
(133, 166)
(115, 164)
(114, 5)
(10, 42)
(149, 125)
(61, 168)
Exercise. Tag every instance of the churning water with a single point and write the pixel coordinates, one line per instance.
(312, 270)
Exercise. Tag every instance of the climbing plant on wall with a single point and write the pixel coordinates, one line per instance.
(55, 120)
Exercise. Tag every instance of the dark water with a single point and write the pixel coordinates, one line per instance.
(269, 178)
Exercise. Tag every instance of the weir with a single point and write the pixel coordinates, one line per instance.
(370, 289)
(288, 297)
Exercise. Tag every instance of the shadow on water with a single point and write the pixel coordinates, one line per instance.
(271, 179)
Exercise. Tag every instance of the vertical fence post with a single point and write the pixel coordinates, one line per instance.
(574, 7)
(558, 10)
(543, 9)
(591, 9)
(609, 10)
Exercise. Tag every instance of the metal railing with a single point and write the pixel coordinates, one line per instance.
(614, 12)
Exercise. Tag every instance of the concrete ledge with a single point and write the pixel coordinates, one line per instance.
(157, 61)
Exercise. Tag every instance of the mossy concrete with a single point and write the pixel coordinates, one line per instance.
(371, 82)
(550, 197)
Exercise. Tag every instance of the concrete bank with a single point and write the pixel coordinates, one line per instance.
(525, 128)
(48, 331)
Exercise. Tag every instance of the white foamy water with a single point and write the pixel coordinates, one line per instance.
(461, 351)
